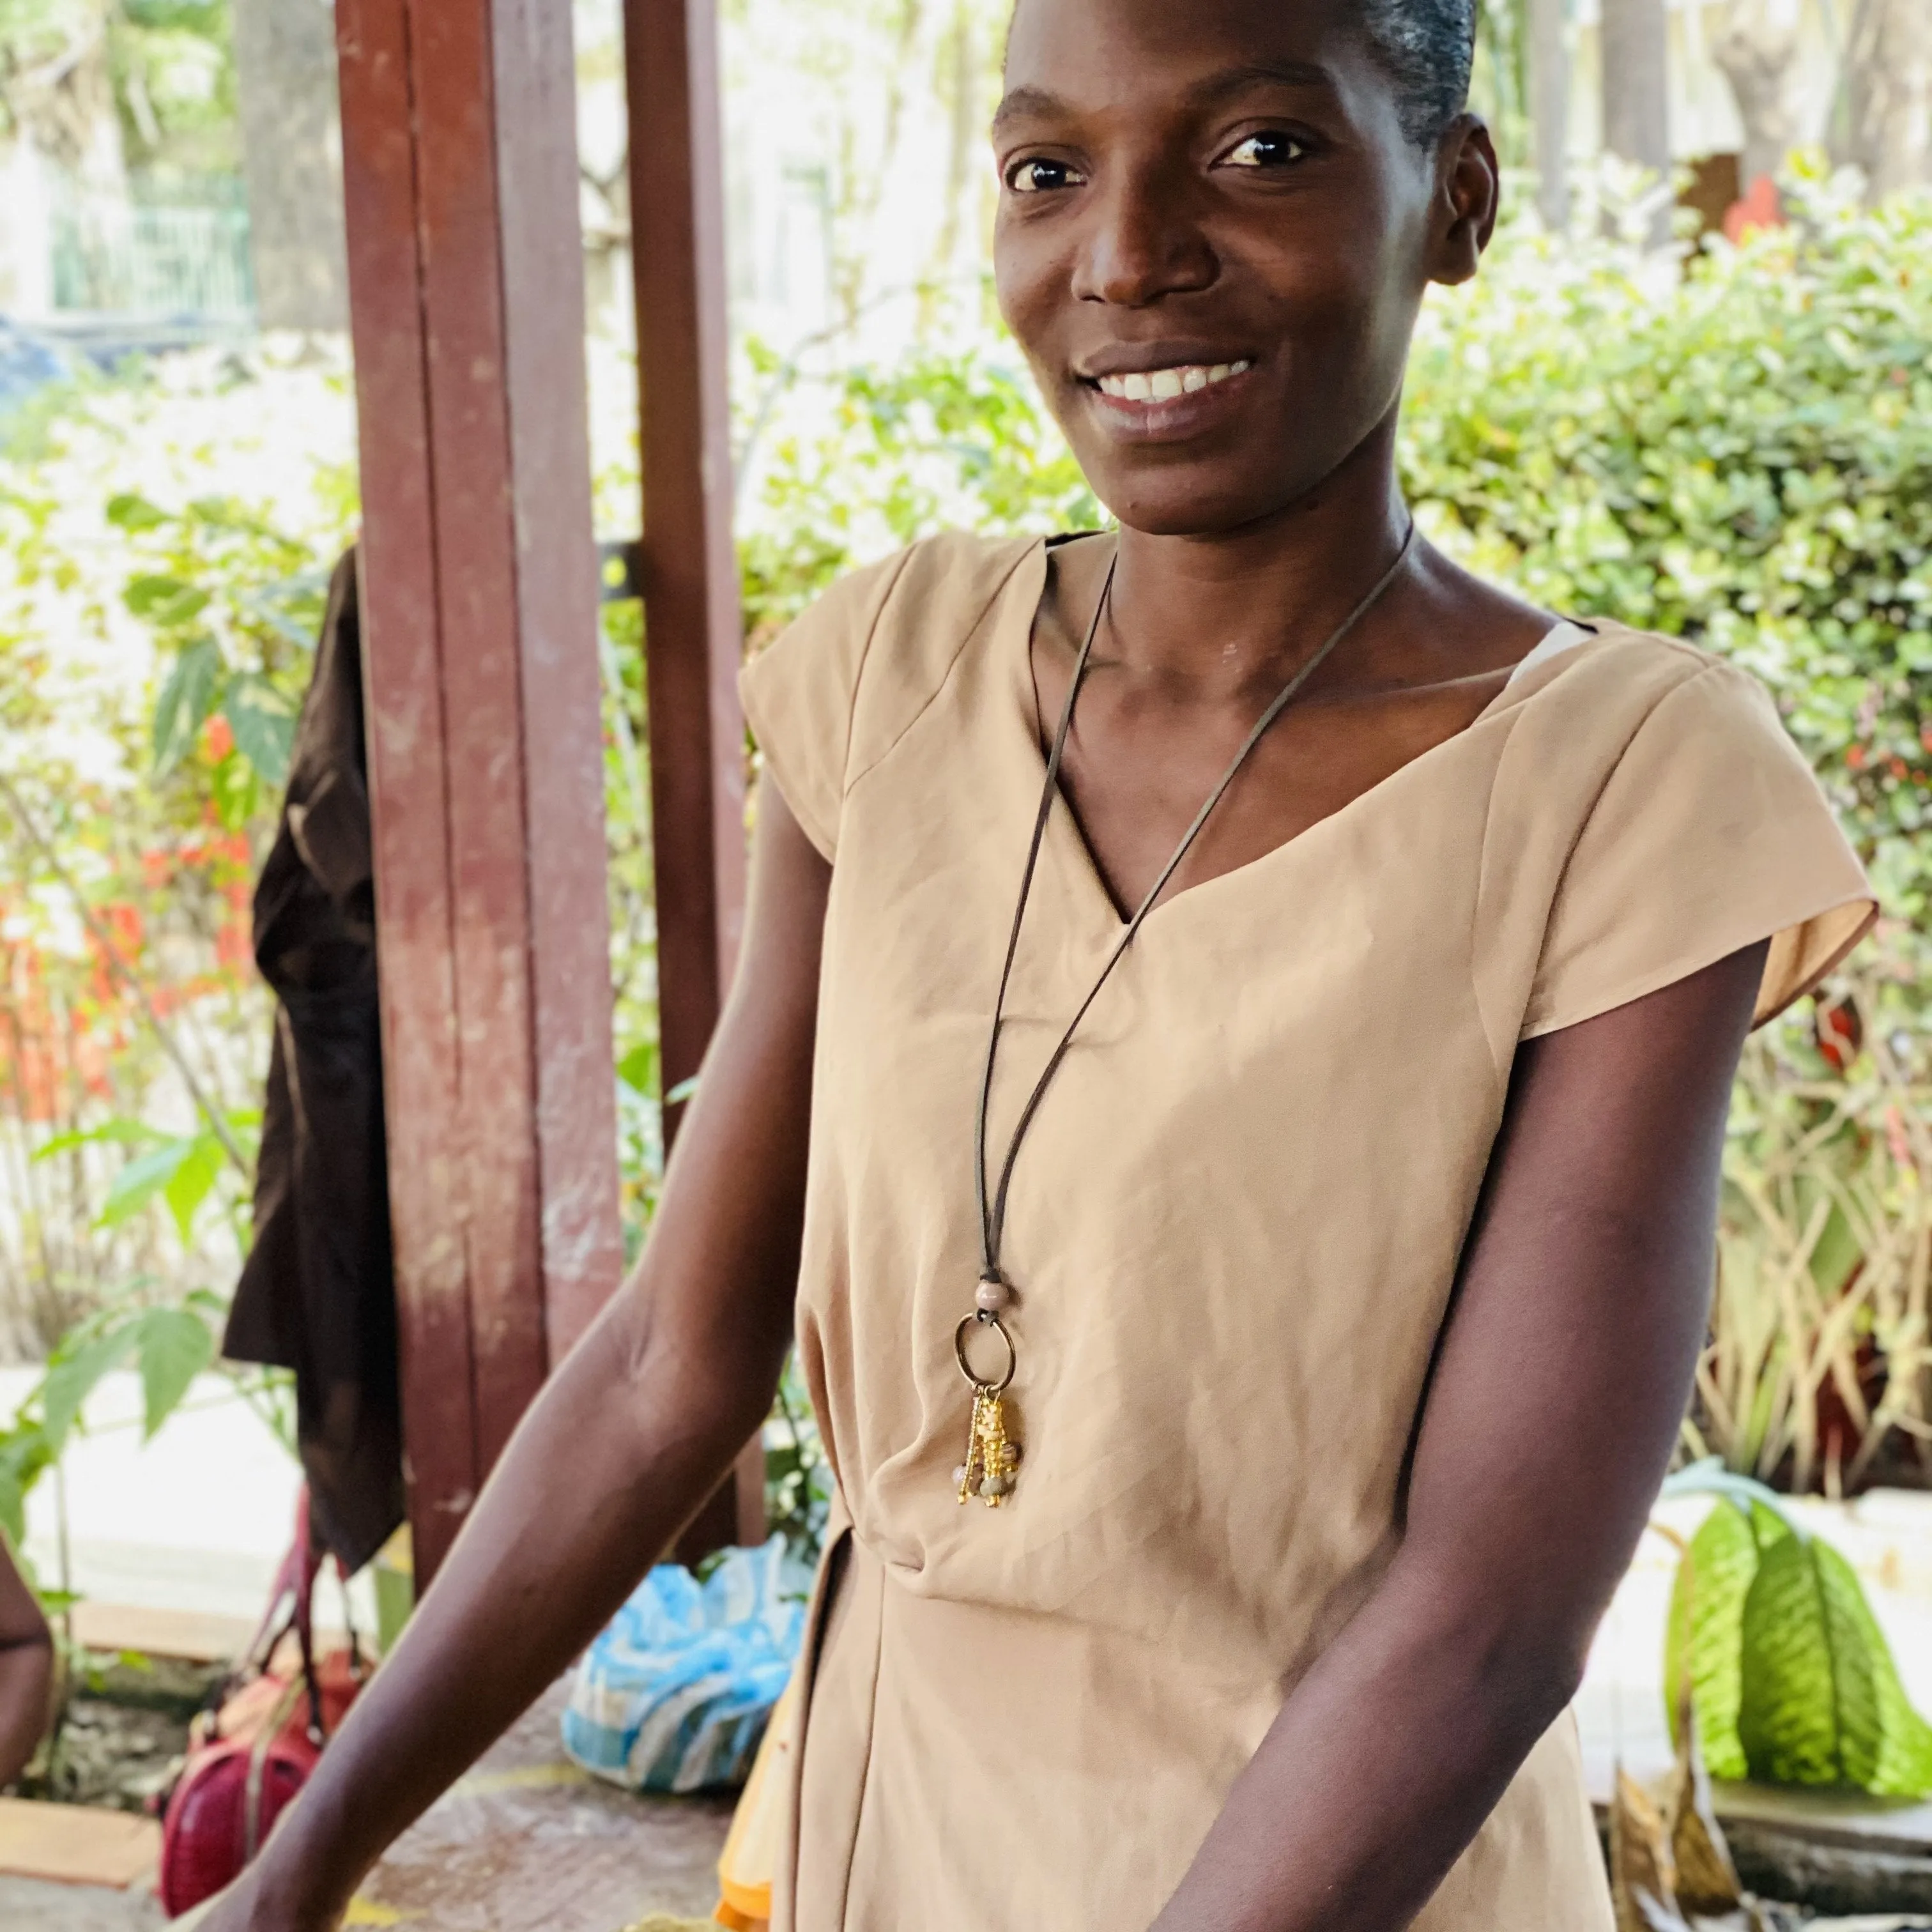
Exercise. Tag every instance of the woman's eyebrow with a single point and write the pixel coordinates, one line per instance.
(1023, 101)
(1261, 73)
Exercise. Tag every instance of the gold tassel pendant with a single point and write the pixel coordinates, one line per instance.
(992, 1457)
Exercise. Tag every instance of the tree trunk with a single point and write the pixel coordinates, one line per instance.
(1549, 109)
(1636, 80)
(1635, 45)
(291, 157)
(1757, 48)
(1888, 86)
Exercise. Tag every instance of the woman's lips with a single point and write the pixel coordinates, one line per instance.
(1161, 385)
(1168, 404)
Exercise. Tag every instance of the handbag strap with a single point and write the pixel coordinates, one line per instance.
(291, 1609)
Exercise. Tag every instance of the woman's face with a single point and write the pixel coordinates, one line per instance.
(1213, 236)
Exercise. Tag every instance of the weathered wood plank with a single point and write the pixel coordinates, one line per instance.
(402, 677)
(693, 633)
(486, 763)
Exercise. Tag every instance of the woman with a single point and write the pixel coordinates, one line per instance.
(1341, 1274)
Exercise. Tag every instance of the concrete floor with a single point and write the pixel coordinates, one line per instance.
(27, 1905)
(527, 1842)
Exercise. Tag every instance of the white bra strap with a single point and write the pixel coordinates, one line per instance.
(1559, 638)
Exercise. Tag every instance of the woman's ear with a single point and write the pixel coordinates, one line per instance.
(1468, 200)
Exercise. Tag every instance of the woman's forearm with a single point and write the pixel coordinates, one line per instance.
(1382, 1765)
(626, 1441)
(1558, 1386)
(614, 1456)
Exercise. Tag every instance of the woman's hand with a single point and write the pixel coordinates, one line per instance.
(1559, 1386)
(240, 1907)
(627, 1438)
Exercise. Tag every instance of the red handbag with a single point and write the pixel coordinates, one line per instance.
(250, 1754)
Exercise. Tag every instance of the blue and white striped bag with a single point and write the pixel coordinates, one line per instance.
(673, 1694)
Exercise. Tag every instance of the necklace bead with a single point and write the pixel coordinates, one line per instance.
(993, 1297)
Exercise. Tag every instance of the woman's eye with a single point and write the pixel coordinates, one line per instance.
(1042, 177)
(1265, 151)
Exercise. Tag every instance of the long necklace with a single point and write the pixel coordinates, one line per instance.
(992, 1456)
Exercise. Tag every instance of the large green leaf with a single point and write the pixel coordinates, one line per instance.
(190, 1184)
(1821, 1704)
(71, 1379)
(1706, 1629)
(129, 512)
(145, 1177)
(174, 1346)
(638, 1069)
(1904, 1766)
(185, 701)
(127, 1133)
(1706, 1620)
(165, 601)
(24, 1455)
(264, 728)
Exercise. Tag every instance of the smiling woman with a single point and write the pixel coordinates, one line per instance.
(1227, 1073)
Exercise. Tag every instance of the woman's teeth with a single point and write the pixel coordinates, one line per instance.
(1159, 386)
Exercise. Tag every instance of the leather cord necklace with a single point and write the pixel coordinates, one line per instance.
(992, 1456)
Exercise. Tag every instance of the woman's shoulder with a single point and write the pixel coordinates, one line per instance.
(1593, 659)
(846, 679)
(952, 571)
(1614, 684)
(1652, 787)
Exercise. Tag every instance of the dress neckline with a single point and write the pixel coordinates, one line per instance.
(1018, 622)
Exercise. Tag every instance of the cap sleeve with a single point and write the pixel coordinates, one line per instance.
(798, 694)
(1710, 834)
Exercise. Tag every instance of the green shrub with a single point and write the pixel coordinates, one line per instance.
(1743, 458)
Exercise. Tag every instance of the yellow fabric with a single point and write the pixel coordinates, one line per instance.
(1233, 1228)
(753, 1845)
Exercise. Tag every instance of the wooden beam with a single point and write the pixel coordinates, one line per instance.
(478, 615)
(693, 634)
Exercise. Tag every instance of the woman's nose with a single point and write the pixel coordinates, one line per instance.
(1144, 243)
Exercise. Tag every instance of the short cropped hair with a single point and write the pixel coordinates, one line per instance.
(1429, 47)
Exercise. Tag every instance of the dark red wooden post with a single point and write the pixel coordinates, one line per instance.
(693, 637)
(479, 627)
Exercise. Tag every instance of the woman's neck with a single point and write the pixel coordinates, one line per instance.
(1218, 613)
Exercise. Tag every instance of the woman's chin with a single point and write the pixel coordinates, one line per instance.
(1181, 506)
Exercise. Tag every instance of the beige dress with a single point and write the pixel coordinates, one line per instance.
(1233, 1228)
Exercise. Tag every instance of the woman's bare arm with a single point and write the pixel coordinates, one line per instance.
(633, 1431)
(1562, 1378)
(26, 1670)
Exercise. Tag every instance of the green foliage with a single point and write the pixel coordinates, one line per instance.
(182, 1171)
(234, 603)
(1791, 1679)
(798, 1481)
(169, 1344)
(1743, 459)
(948, 439)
